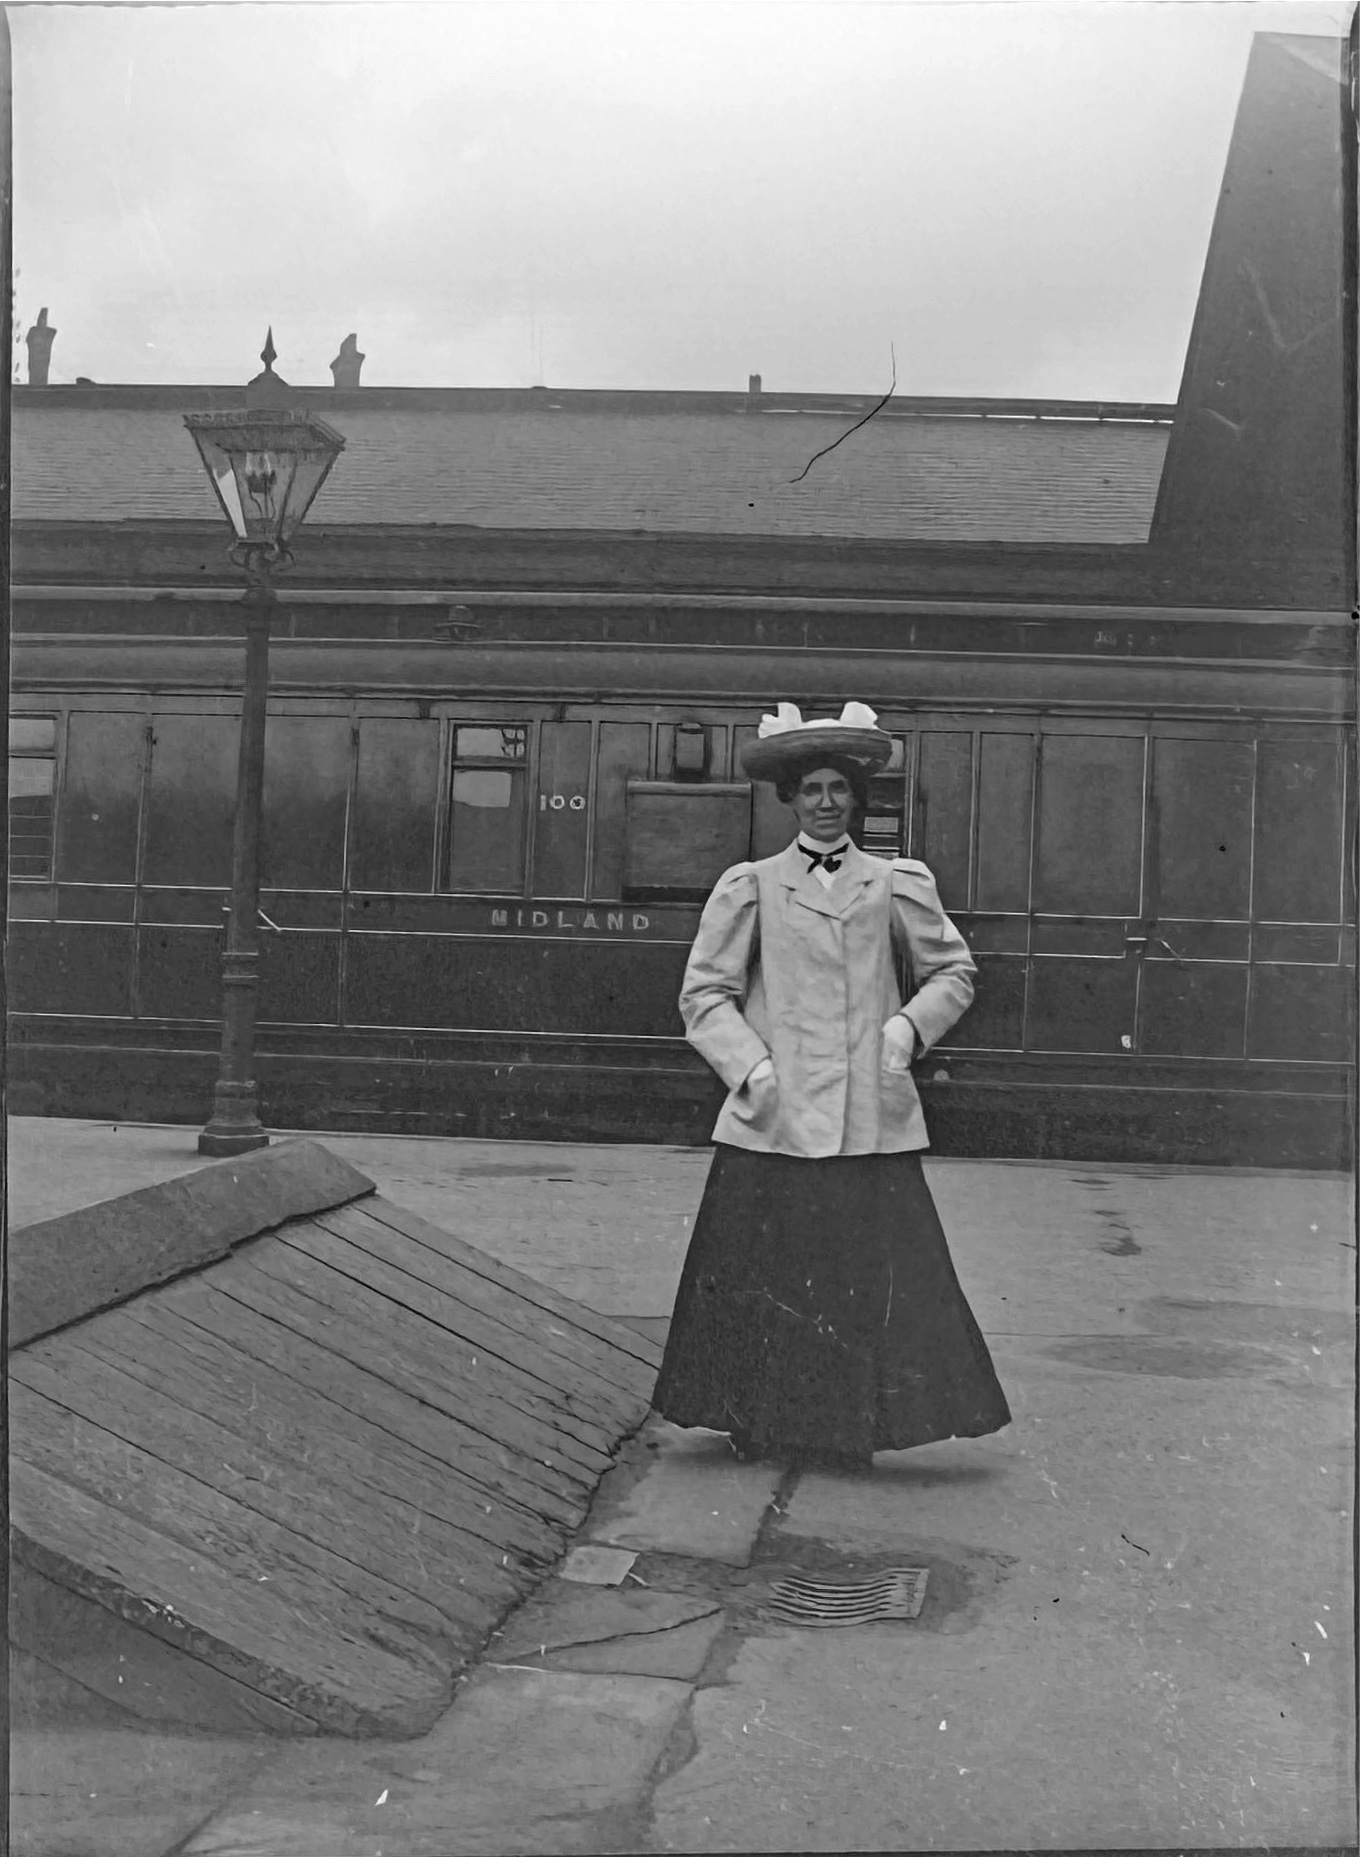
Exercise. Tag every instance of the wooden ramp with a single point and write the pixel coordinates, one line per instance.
(283, 1454)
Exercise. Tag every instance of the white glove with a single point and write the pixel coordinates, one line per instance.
(899, 1044)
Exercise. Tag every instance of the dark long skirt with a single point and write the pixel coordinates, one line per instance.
(818, 1312)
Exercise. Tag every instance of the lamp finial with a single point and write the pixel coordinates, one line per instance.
(268, 389)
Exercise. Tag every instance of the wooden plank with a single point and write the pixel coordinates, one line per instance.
(574, 1392)
(485, 1391)
(337, 1597)
(405, 1358)
(558, 1338)
(421, 1355)
(257, 1400)
(62, 1270)
(489, 1472)
(406, 1549)
(345, 1682)
(529, 1289)
(330, 1269)
(130, 1668)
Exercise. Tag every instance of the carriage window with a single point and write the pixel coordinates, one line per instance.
(487, 809)
(32, 780)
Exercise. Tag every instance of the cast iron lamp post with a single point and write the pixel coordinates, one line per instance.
(266, 464)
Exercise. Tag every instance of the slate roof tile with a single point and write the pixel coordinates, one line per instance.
(899, 478)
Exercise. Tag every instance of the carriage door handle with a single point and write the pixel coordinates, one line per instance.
(226, 911)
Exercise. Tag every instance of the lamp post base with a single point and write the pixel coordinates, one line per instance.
(220, 1143)
(235, 1127)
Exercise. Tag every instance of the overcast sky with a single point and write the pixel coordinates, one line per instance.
(659, 193)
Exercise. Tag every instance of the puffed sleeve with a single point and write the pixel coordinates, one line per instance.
(941, 966)
(714, 988)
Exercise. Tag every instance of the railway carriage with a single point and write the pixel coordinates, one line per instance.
(483, 865)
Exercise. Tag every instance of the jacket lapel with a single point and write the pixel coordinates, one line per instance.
(852, 879)
(855, 872)
(795, 876)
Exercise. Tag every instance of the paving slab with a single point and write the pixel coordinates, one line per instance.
(527, 1761)
(694, 1499)
(110, 1792)
(597, 1566)
(1062, 1250)
(558, 1617)
(1146, 1578)
(680, 1652)
(790, 1758)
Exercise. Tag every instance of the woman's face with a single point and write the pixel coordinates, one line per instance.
(824, 804)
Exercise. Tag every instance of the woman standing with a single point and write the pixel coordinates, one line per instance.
(819, 1318)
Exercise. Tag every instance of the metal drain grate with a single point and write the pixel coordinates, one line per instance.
(897, 1592)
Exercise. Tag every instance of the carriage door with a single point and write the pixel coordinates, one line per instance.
(1089, 930)
(1193, 993)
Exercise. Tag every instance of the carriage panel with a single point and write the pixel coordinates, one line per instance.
(1005, 806)
(1297, 870)
(306, 787)
(392, 845)
(1192, 1009)
(942, 823)
(996, 1019)
(623, 753)
(101, 796)
(191, 803)
(1302, 1012)
(1201, 817)
(561, 820)
(587, 988)
(75, 969)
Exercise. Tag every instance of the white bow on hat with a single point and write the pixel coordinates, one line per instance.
(789, 716)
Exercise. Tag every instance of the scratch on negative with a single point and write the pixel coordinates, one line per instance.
(888, 1311)
(818, 1747)
(799, 1315)
(854, 428)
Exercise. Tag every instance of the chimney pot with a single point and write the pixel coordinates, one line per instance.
(39, 339)
(753, 394)
(346, 365)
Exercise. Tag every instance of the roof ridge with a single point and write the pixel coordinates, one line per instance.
(130, 396)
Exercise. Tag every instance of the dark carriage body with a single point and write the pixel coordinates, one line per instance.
(483, 865)
(502, 765)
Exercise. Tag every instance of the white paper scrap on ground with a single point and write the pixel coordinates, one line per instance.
(597, 1566)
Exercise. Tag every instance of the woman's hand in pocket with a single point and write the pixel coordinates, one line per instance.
(761, 1089)
(899, 1045)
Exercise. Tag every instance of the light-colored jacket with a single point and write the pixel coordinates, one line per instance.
(784, 968)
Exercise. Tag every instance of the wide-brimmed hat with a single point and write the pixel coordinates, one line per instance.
(786, 742)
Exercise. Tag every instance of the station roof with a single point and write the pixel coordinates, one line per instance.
(961, 471)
